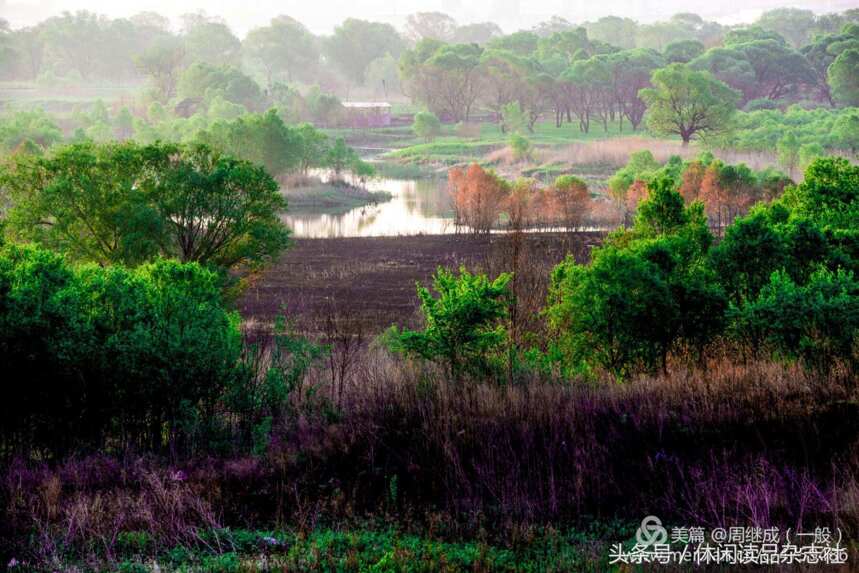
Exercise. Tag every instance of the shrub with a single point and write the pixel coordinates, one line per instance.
(131, 357)
(426, 125)
(463, 324)
(817, 322)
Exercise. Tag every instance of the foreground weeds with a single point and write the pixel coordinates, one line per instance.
(397, 463)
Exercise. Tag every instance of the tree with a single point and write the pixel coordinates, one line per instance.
(463, 323)
(846, 131)
(817, 322)
(844, 77)
(688, 103)
(614, 30)
(793, 24)
(285, 46)
(210, 42)
(219, 210)
(356, 43)
(205, 82)
(788, 153)
(823, 51)
(445, 77)
(162, 63)
(426, 125)
(645, 293)
(127, 204)
(480, 33)
(262, 139)
(683, 52)
(432, 25)
(569, 201)
(478, 197)
(85, 200)
(126, 357)
(26, 128)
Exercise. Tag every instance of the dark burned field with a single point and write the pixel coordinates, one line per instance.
(371, 281)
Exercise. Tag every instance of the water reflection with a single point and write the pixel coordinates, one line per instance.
(420, 206)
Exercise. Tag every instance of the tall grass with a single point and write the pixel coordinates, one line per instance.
(729, 443)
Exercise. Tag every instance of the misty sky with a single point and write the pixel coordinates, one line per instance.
(322, 15)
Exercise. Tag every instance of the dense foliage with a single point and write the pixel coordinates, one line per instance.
(127, 203)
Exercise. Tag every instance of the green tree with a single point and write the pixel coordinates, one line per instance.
(210, 42)
(645, 293)
(285, 46)
(688, 103)
(844, 77)
(133, 358)
(356, 43)
(464, 323)
(426, 125)
(683, 52)
(125, 203)
(846, 131)
(817, 322)
(162, 63)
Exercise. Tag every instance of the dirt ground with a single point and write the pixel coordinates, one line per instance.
(371, 281)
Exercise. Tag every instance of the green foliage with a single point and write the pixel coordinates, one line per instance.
(521, 146)
(24, 129)
(762, 130)
(846, 131)
(125, 203)
(683, 51)
(463, 324)
(640, 166)
(844, 77)
(206, 82)
(263, 139)
(513, 118)
(426, 125)
(688, 103)
(356, 43)
(645, 293)
(110, 352)
(817, 322)
(284, 47)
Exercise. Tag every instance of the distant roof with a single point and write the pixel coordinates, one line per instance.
(366, 104)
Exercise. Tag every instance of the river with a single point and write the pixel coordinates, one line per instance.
(417, 206)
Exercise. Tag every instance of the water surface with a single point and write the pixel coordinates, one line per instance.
(420, 206)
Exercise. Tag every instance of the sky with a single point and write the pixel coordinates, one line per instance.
(321, 16)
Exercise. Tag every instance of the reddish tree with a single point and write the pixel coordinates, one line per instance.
(478, 197)
(569, 201)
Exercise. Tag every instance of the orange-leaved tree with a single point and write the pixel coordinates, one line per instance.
(479, 197)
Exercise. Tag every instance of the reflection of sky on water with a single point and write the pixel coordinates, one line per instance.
(416, 207)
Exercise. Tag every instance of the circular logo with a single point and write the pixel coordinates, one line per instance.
(651, 532)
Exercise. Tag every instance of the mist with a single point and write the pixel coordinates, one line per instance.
(323, 15)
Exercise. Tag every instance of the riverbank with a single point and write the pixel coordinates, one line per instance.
(313, 195)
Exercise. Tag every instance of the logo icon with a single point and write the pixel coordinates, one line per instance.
(651, 532)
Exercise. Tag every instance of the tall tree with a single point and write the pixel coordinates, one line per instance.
(356, 43)
(430, 25)
(844, 77)
(285, 46)
(688, 103)
(210, 41)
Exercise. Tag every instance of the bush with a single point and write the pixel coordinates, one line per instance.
(111, 355)
(463, 325)
(817, 322)
(426, 125)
